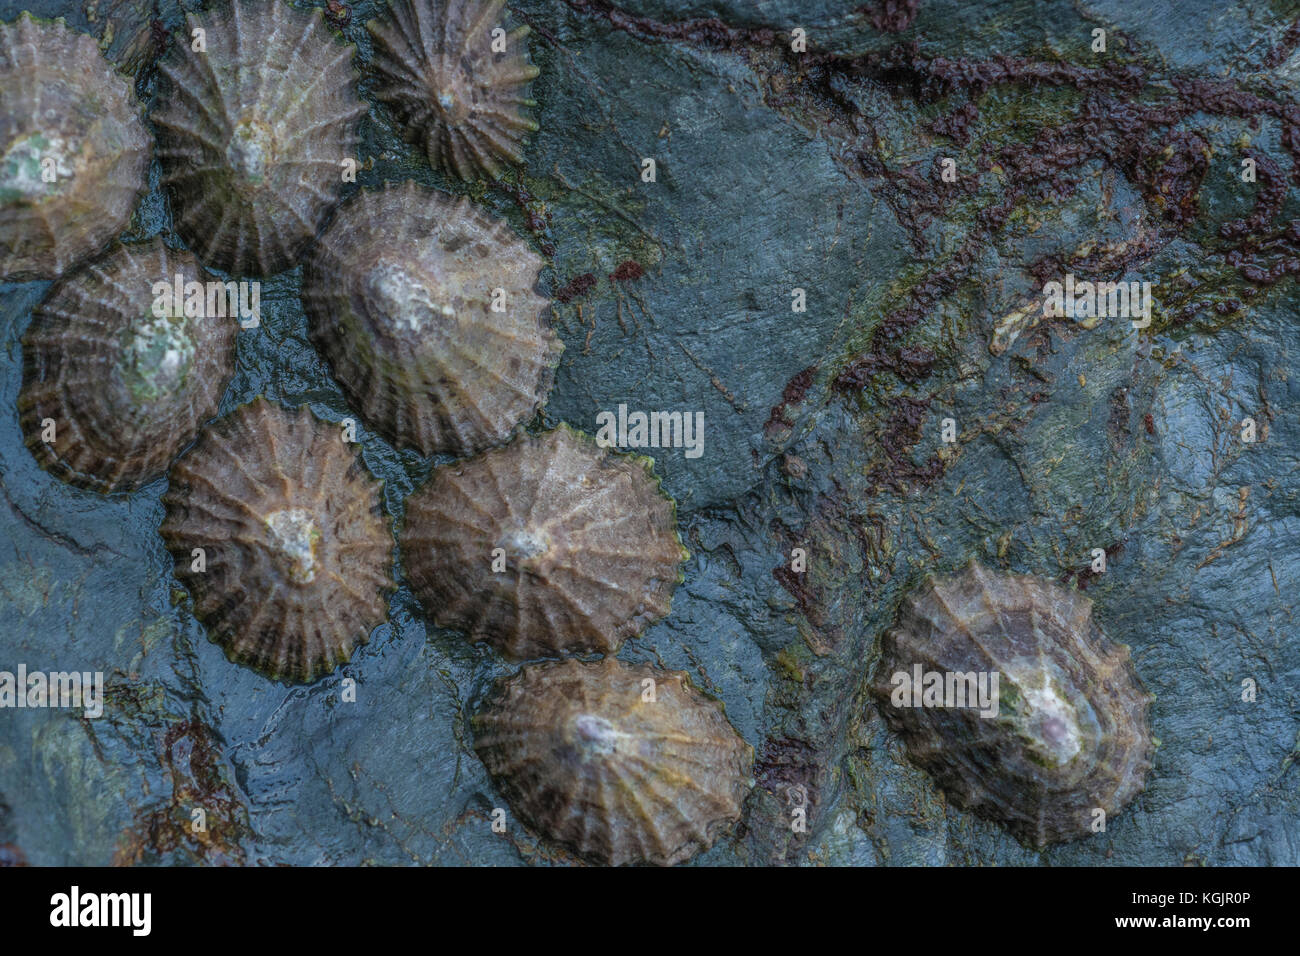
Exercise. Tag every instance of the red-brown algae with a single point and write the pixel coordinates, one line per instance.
(12, 855)
(277, 529)
(1063, 733)
(619, 764)
(255, 131)
(548, 544)
(457, 80)
(74, 153)
(425, 309)
(117, 380)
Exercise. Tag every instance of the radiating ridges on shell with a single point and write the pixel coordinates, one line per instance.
(253, 132)
(425, 309)
(457, 80)
(1062, 734)
(117, 380)
(74, 152)
(615, 763)
(548, 544)
(277, 529)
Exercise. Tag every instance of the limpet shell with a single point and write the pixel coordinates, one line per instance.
(1070, 735)
(464, 101)
(548, 544)
(253, 132)
(296, 551)
(400, 291)
(616, 763)
(124, 387)
(64, 114)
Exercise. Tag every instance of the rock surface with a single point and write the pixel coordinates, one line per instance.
(778, 171)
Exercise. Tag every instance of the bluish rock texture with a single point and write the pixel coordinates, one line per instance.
(775, 171)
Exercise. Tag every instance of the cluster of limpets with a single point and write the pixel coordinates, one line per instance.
(543, 545)
(424, 307)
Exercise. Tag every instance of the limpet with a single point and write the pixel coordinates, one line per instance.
(425, 310)
(1066, 734)
(551, 543)
(616, 763)
(457, 80)
(254, 131)
(118, 377)
(277, 529)
(73, 149)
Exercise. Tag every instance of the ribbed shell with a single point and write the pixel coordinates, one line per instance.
(125, 388)
(1071, 734)
(60, 100)
(252, 134)
(298, 551)
(399, 294)
(588, 541)
(586, 760)
(436, 69)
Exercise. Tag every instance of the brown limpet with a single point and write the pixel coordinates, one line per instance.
(400, 294)
(548, 544)
(296, 551)
(122, 378)
(465, 101)
(1070, 733)
(616, 763)
(66, 116)
(254, 131)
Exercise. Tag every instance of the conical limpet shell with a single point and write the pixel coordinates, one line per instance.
(1070, 735)
(400, 293)
(617, 763)
(466, 102)
(122, 378)
(253, 133)
(73, 150)
(296, 555)
(548, 544)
